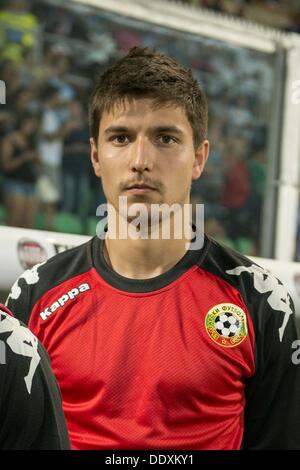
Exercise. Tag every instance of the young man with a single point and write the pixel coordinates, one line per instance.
(158, 344)
(31, 415)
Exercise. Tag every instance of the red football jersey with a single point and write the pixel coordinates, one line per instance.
(196, 358)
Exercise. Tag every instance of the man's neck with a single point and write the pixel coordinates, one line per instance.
(143, 259)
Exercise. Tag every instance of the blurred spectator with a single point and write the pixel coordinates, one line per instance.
(236, 189)
(217, 230)
(76, 162)
(258, 173)
(295, 23)
(97, 194)
(26, 99)
(31, 69)
(195, 199)
(61, 21)
(257, 165)
(18, 29)
(19, 163)
(6, 121)
(239, 114)
(58, 62)
(51, 151)
(210, 184)
(127, 39)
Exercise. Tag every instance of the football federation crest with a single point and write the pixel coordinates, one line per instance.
(226, 325)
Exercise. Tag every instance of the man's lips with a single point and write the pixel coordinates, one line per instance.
(140, 188)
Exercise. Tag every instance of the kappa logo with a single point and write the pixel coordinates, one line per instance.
(71, 294)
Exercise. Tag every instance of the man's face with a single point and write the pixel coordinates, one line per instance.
(139, 145)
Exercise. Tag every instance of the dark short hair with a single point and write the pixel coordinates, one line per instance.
(144, 72)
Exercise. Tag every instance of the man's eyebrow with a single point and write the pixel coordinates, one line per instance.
(116, 129)
(158, 129)
(172, 129)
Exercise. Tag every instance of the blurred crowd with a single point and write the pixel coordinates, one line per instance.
(49, 55)
(283, 14)
(43, 126)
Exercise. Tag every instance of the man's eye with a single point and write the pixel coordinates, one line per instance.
(166, 139)
(119, 139)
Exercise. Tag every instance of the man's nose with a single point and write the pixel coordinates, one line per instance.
(140, 158)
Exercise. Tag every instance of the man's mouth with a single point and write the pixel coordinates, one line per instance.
(140, 188)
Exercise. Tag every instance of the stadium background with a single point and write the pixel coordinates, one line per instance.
(246, 55)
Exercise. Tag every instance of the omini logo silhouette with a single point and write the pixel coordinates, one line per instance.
(2, 92)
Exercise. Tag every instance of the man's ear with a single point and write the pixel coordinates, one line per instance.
(95, 158)
(201, 156)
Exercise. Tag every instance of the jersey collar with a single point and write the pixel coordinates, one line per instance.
(191, 258)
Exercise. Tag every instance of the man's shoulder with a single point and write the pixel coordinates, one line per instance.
(221, 258)
(261, 291)
(67, 263)
(243, 273)
(35, 282)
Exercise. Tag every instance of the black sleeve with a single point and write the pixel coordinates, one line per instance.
(31, 415)
(272, 413)
(18, 300)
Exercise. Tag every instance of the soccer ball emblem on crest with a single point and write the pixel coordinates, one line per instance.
(226, 324)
